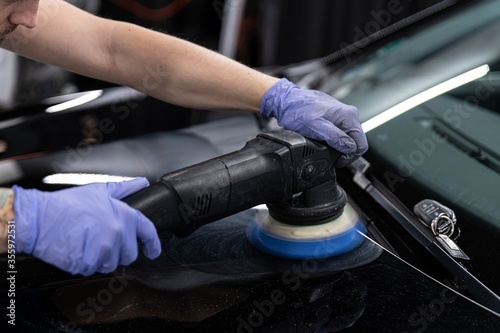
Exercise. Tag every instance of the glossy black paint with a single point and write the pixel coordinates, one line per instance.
(215, 282)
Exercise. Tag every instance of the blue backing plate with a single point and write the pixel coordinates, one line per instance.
(302, 249)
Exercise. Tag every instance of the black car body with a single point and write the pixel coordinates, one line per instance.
(434, 77)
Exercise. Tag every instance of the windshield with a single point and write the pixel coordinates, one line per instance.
(412, 64)
(430, 104)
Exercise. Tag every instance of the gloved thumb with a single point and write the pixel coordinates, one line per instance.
(120, 190)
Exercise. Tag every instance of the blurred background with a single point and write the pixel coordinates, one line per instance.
(258, 33)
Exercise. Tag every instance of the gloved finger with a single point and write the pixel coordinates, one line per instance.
(107, 268)
(349, 123)
(148, 236)
(344, 144)
(128, 251)
(124, 234)
(362, 147)
(334, 137)
(103, 260)
(352, 144)
(100, 254)
(120, 190)
(359, 138)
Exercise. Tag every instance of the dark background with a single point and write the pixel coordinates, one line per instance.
(273, 32)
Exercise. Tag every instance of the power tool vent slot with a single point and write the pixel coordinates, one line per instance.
(307, 151)
(201, 204)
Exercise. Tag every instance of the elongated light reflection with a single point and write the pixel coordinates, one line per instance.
(88, 97)
(424, 96)
(81, 178)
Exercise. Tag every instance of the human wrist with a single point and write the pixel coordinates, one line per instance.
(7, 215)
(274, 98)
(3, 236)
(25, 205)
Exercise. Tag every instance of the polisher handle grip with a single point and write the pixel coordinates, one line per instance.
(270, 168)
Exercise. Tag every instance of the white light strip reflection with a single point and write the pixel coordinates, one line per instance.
(81, 178)
(424, 96)
(90, 96)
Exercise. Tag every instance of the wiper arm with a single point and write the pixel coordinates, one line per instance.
(409, 222)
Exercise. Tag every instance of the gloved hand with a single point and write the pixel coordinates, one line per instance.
(318, 116)
(83, 229)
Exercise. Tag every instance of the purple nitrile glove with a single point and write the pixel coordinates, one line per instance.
(84, 229)
(318, 116)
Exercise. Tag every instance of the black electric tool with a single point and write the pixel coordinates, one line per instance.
(308, 214)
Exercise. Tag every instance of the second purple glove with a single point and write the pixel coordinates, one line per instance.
(84, 229)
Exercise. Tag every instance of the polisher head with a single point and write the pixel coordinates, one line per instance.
(332, 238)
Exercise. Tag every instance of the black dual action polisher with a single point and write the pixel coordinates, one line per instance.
(308, 215)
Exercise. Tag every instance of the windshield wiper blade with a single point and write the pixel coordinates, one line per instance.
(377, 191)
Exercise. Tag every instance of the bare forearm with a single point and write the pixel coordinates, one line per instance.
(155, 63)
(6, 215)
(184, 73)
